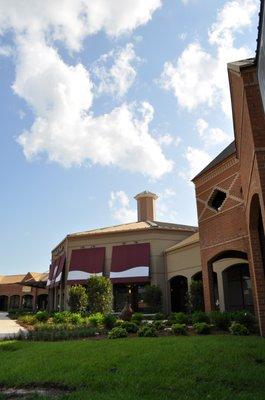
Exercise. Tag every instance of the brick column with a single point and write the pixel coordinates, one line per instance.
(207, 277)
(258, 279)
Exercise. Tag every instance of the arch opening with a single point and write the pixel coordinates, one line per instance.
(178, 292)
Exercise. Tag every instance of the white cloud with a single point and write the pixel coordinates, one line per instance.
(76, 19)
(197, 159)
(61, 95)
(199, 77)
(165, 140)
(6, 51)
(211, 136)
(119, 77)
(119, 205)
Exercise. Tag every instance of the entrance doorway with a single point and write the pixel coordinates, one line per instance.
(178, 291)
(42, 301)
(129, 292)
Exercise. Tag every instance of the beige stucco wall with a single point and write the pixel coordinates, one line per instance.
(184, 261)
(159, 241)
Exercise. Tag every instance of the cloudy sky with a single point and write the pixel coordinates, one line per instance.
(103, 99)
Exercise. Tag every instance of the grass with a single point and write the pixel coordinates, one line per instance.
(186, 368)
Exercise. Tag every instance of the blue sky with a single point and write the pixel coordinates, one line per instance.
(101, 100)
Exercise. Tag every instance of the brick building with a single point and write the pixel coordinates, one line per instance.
(23, 291)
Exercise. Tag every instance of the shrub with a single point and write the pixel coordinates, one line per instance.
(137, 318)
(99, 290)
(96, 319)
(119, 322)
(152, 296)
(244, 318)
(50, 332)
(61, 317)
(130, 327)
(160, 316)
(159, 325)
(221, 320)
(179, 318)
(200, 316)
(42, 316)
(78, 298)
(109, 321)
(75, 319)
(202, 328)
(195, 299)
(179, 329)
(117, 333)
(147, 331)
(238, 329)
(28, 319)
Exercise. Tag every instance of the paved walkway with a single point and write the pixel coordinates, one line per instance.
(9, 329)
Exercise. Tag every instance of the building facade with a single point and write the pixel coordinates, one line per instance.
(26, 292)
(131, 255)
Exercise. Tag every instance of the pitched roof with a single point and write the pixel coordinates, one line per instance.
(9, 279)
(186, 242)
(136, 226)
(227, 152)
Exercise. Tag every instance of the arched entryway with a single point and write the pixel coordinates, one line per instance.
(42, 301)
(3, 303)
(27, 302)
(14, 302)
(178, 292)
(237, 288)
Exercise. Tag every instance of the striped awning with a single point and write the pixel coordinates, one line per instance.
(130, 263)
(85, 263)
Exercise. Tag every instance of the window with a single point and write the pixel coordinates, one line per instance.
(217, 199)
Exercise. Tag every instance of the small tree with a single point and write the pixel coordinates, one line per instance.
(99, 290)
(78, 298)
(195, 299)
(152, 296)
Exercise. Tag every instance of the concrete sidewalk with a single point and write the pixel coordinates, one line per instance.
(9, 329)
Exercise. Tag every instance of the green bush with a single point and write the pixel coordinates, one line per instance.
(152, 296)
(160, 316)
(75, 319)
(42, 316)
(78, 299)
(137, 318)
(179, 329)
(244, 318)
(221, 320)
(130, 327)
(119, 322)
(159, 325)
(202, 328)
(179, 318)
(61, 317)
(147, 331)
(238, 329)
(117, 333)
(99, 290)
(109, 320)
(51, 332)
(96, 319)
(200, 316)
(27, 319)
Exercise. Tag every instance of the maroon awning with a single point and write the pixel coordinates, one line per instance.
(58, 276)
(52, 271)
(84, 263)
(130, 263)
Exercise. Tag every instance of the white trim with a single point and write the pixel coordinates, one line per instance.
(131, 273)
(58, 278)
(81, 275)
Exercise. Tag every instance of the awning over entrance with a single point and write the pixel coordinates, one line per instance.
(53, 271)
(130, 263)
(84, 263)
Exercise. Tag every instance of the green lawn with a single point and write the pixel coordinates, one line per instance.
(196, 367)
